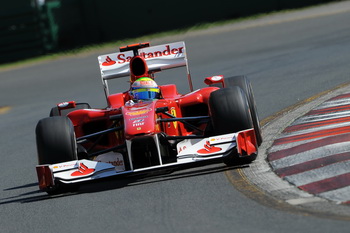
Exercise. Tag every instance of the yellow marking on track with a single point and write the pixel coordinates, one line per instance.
(4, 109)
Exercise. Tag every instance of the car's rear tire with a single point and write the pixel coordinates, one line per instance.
(244, 83)
(230, 113)
(55, 139)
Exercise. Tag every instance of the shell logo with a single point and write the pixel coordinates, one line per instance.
(173, 112)
(139, 112)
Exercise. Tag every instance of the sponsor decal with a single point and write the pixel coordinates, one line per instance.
(116, 163)
(139, 112)
(139, 122)
(144, 84)
(187, 145)
(122, 59)
(208, 149)
(224, 138)
(64, 166)
(113, 158)
(157, 126)
(182, 149)
(83, 170)
(140, 117)
(167, 52)
(173, 112)
(108, 62)
(138, 108)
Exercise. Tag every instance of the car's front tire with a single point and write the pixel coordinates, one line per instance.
(229, 110)
(244, 83)
(230, 113)
(55, 139)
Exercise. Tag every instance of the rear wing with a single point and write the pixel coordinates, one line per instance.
(158, 58)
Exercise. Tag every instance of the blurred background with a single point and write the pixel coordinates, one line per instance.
(30, 28)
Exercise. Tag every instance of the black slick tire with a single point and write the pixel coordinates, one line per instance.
(55, 140)
(229, 110)
(230, 113)
(244, 83)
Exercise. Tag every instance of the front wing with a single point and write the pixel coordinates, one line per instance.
(189, 151)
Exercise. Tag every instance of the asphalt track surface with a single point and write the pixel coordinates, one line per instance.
(289, 58)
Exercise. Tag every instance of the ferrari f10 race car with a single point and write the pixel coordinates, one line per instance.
(147, 127)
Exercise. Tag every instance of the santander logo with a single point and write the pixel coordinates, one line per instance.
(83, 170)
(152, 54)
(208, 149)
(108, 62)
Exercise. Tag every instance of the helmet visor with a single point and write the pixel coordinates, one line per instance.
(146, 93)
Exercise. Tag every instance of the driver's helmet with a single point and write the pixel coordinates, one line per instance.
(145, 89)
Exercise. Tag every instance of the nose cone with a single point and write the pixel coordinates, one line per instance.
(139, 119)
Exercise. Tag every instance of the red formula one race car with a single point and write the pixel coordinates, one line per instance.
(148, 127)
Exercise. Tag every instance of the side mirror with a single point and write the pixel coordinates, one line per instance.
(66, 105)
(217, 81)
